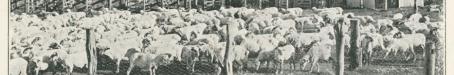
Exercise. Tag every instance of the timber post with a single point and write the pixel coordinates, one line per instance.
(355, 53)
(416, 6)
(386, 5)
(431, 52)
(245, 3)
(228, 65)
(260, 4)
(91, 51)
(340, 47)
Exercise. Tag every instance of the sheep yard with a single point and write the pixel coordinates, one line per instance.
(249, 41)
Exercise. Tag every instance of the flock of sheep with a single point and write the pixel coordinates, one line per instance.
(156, 38)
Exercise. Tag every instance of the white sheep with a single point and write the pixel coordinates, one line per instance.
(398, 16)
(415, 17)
(120, 50)
(239, 56)
(69, 61)
(147, 60)
(190, 55)
(283, 54)
(187, 32)
(416, 27)
(405, 44)
(296, 11)
(17, 65)
(318, 51)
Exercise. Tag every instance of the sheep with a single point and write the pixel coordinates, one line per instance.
(388, 30)
(333, 10)
(201, 18)
(272, 11)
(210, 38)
(418, 40)
(120, 50)
(164, 47)
(227, 12)
(369, 41)
(186, 32)
(416, 27)
(383, 22)
(239, 56)
(189, 55)
(317, 51)
(147, 60)
(282, 54)
(299, 40)
(245, 13)
(397, 16)
(69, 61)
(213, 13)
(42, 60)
(415, 17)
(296, 11)
(405, 43)
(17, 65)
(285, 24)
(170, 38)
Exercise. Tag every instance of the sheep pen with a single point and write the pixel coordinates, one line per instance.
(272, 40)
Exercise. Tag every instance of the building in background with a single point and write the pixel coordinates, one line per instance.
(379, 4)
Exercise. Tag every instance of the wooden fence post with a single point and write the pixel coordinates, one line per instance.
(415, 6)
(87, 4)
(355, 53)
(245, 3)
(228, 65)
(430, 54)
(91, 53)
(189, 4)
(286, 4)
(144, 5)
(340, 47)
(260, 4)
(110, 4)
(386, 4)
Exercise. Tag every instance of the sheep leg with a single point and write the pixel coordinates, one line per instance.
(423, 50)
(303, 65)
(257, 65)
(37, 72)
(386, 54)
(70, 69)
(131, 66)
(312, 66)
(280, 66)
(192, 66)
(268, 64)
(117, 70)
(412, 51)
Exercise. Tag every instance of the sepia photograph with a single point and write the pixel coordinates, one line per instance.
(226, 37)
